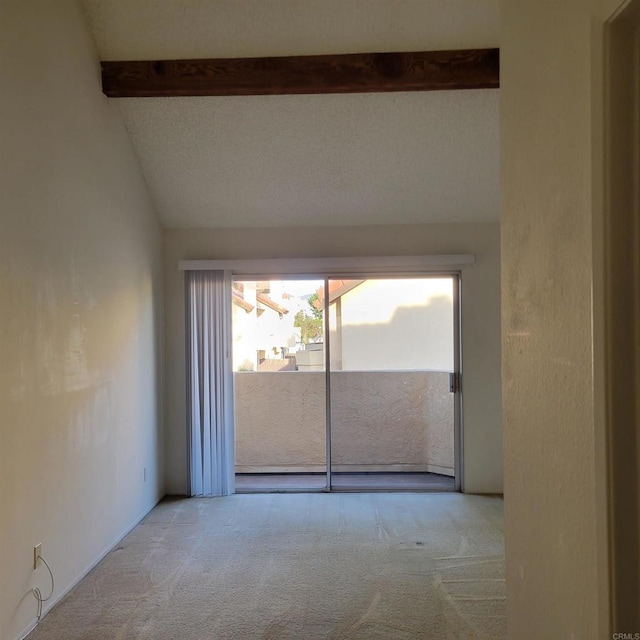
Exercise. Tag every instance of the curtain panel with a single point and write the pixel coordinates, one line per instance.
(209, 383)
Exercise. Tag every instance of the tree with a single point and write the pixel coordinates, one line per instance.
(316, 305)
(310, 326)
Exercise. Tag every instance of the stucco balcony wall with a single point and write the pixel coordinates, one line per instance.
(381, 421)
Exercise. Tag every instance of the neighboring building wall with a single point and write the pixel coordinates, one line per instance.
(395, 324)
(262, 329)
(480, 318)
(81, 323)
(311, 358)
(245, 348)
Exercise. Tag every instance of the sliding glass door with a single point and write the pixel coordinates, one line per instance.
(392, 353)
(346, 383)
(279, 385)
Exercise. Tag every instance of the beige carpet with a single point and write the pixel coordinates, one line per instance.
(298, 567)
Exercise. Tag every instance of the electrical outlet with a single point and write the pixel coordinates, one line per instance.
(37, 552)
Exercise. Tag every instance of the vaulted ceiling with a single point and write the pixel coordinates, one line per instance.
(308, 160)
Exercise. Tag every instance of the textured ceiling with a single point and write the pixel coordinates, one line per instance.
(308, 160)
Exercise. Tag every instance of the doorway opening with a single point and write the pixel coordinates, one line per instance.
(346, 384)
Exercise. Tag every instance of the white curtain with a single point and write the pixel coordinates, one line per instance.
(209, 383)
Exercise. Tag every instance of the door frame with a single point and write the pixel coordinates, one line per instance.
(619, 312)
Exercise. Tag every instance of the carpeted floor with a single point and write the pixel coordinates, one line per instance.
(298, 567)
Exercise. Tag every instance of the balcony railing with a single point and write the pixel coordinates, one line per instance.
(381, 421)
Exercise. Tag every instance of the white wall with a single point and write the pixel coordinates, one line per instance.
(555, 480)
(80, 319)
(480, 318)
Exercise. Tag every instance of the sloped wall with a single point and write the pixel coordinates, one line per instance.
(80, 326)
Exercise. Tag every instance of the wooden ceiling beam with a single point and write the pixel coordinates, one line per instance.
(344, 73)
